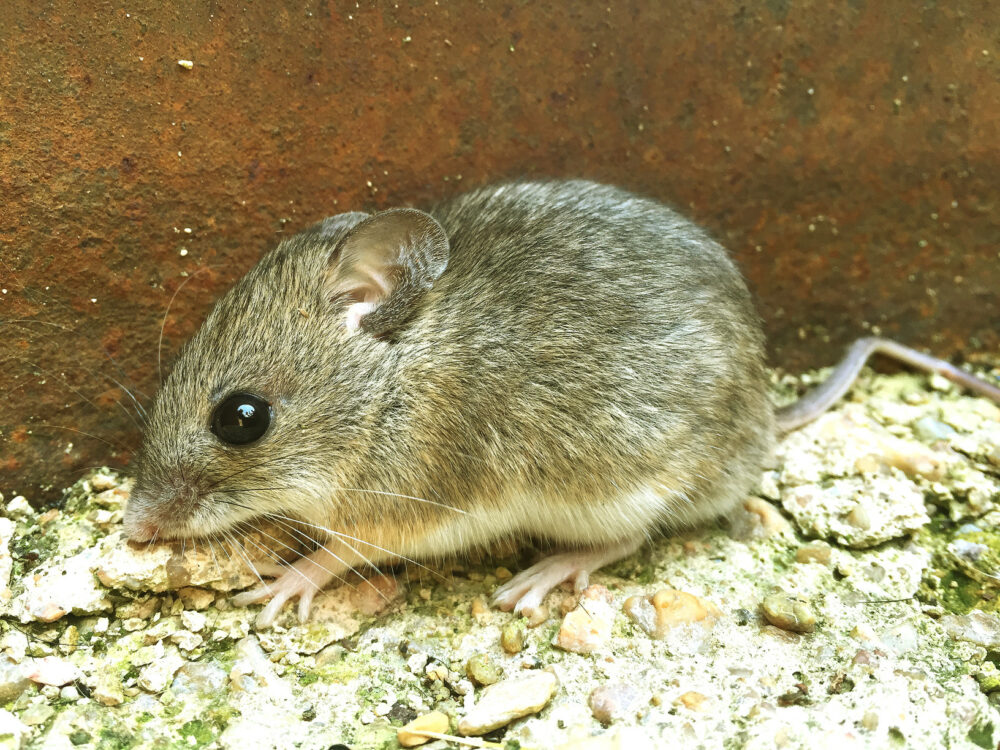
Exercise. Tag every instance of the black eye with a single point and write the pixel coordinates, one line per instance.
(241, 418)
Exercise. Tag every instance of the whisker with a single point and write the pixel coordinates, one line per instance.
(308, 538)
(325, 570)
(234, 544)
(45, 425)
(49, 373)
(163, 323)
(356, 539)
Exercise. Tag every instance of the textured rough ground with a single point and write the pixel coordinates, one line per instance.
(875, 534)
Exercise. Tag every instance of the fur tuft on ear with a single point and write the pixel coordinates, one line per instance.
(384, 265)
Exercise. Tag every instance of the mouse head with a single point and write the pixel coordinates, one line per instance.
(264, 403)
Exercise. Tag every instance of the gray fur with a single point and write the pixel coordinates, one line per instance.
(582, 344)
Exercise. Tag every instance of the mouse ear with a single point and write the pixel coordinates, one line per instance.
(385, 264)
(334, 227)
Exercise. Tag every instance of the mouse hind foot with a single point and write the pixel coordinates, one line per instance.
(525, 591)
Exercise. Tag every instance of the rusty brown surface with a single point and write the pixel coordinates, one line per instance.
(847, 153)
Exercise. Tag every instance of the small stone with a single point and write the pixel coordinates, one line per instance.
(859, 518)
(870, 721)
(482, 671)
(981, 628)
(199, 677)
(19, 508)
(103, 482)
(817, 552)
(37, 713)
(939, 383)
(616, 701)
(186, 640)
(12, 680)
(196, 598)
(692, 700)
(513, 636)
(789, 613)
(13, 731)
(108, 691)
(155, 676)
(503, 574)
(668, 608)
(930, 429)
(587, 628)
(481, 611)
(193, 621)
(69, 693)
(535, 616)
(186, 64)
(51, 670)
(502, 703)
(770, 519)
(410, 734)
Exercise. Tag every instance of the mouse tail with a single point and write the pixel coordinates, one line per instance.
(820, 399)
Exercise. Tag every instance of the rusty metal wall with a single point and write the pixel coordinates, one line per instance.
(847, 153)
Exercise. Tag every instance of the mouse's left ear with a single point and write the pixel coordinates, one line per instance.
(384, 265)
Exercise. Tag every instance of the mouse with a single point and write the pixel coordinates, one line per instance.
(560, 361)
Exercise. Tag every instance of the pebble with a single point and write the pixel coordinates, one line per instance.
(513, 636)
(435, 721)
(587, 628)
(195, 598)
(103, 482)
(503, 574)
(155, 677)
(193, 621)
(37, 713)
(481, 611)
(616, 701)
(789, 613)
(482, 670)
(186, 640)
(69, 693)
(981, 628)
(12, 729)
(12, 680)
(61, 587)
(692, 700)
(502, 703)
(19, 508)
(817, 552)
(51, 670)
(108, 691)
(930, 429)
(770, 519)
(668, 608)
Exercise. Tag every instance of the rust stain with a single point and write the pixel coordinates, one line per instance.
(846, 154)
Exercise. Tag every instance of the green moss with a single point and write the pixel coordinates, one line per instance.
(111, 740)
(199, 731)
(982, 735)
(307, 678)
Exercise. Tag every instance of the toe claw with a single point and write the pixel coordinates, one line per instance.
(253, 596)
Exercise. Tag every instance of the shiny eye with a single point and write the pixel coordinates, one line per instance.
(241, 418)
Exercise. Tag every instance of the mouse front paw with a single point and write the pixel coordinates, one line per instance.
(302, 579)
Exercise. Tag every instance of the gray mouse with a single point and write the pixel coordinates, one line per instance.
(560, 361)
